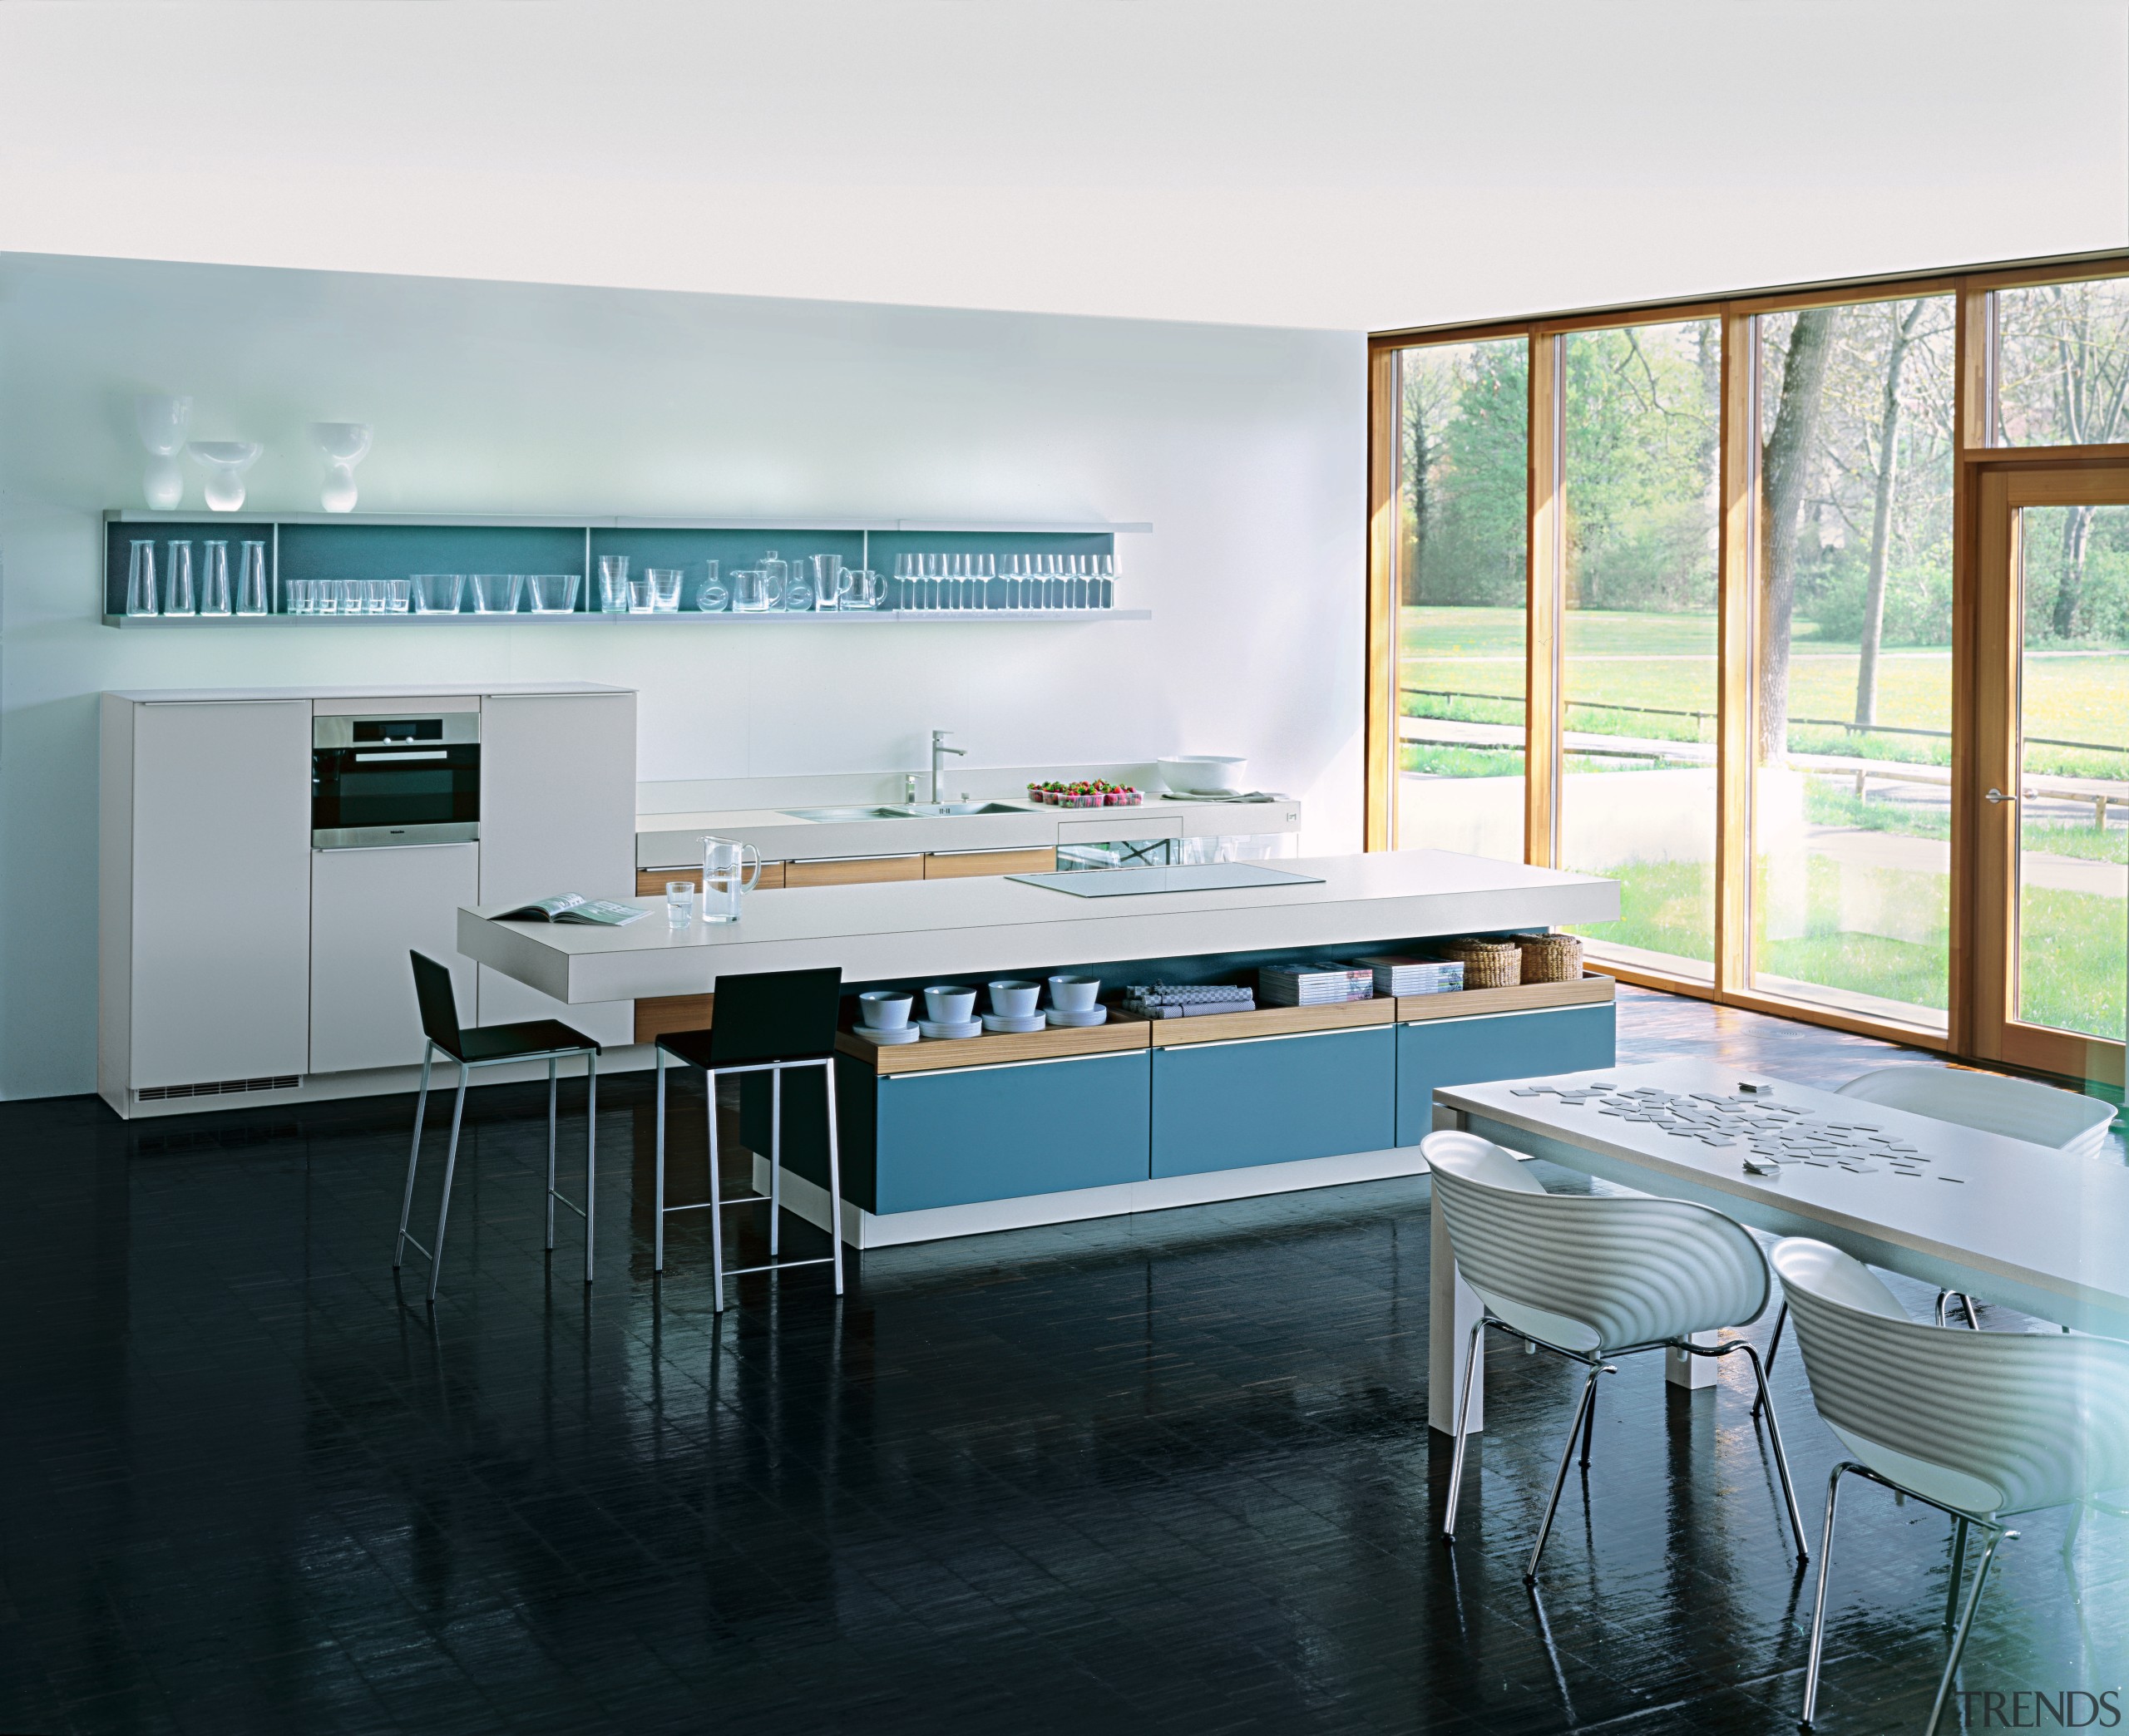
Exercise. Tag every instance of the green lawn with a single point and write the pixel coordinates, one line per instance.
(1667, 661)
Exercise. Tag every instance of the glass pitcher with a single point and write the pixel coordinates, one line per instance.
(729, 871)
(753, 591)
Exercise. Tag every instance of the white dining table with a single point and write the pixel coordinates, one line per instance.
(2023, 1225)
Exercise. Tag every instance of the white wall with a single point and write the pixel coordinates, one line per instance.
(1244, 447)
(1341, 163)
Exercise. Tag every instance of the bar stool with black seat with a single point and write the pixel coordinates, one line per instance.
(536, 1039)
(772, 1022)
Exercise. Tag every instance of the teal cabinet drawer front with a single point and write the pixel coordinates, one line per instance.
(1005, 1132)
(1277, 1100)
(1508, 1046)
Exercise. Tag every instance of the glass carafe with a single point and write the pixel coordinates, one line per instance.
(729, 871)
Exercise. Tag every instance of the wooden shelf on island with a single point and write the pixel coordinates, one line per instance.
(1267, 1022)
(996, 1048)
(1520, 998)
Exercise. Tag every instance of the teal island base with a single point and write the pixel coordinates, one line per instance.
(950, 1139)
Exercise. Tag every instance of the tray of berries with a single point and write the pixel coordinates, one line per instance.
(1087, 793)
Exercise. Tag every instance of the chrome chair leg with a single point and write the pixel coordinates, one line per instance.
(716, 1196)
(552, 1065)
(1973, 1314)
(591, 1156)
(1588, 1427)
(450, 1170)
(775, 1155)
(835, 1184)
(1816, 1657)
(658, 1217)
(1765, 1402)
(1560, 1477)
(1959, 1573)
(1472, 1352)
(413, 1156)
(1965, 1627)
(1773, 1350)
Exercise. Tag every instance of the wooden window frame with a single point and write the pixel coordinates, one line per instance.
(1975, 459)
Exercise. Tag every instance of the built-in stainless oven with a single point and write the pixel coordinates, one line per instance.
(378, 782)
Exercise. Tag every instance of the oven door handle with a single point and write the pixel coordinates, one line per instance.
(432, 753)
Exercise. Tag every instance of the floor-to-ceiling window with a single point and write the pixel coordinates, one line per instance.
(1851, 813)
(1711, 598)
(1460, 561)
(1641, 417)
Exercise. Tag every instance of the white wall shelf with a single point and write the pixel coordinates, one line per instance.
(849, 618)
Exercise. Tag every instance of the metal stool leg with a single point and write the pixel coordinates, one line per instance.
(657, 1221)
(775, 1155)
(835, 1184)
(414, 1156)
(450, 1170)
(1816, 1656)
(1773, 1350)
(716, 1195)
(552, 1065)
(591, 1156)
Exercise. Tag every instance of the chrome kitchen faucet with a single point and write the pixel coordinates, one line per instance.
(938, 750)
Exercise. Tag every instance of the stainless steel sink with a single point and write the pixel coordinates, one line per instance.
(912, 810)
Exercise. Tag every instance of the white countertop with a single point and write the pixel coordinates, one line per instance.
(426, 690)
(672, 839)
(958, 928)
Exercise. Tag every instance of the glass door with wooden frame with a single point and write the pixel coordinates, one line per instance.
(2050, 770)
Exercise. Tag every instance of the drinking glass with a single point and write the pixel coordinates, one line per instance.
(325, 596)
(614, 583)
(177, 581)
(214, 578)
(665, 588)
(377, 596)
(987, 574)
(253, 597)
(395, 596)
(295, 598)
(496, 593)
(140, 581)
(774, 571)
(354, 596)
(553, 592)
(679, 904)
(438, 593)
(1106, 567)
(829, 579)
(643, 599)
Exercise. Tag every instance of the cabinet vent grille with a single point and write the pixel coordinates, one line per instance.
(219, 1087)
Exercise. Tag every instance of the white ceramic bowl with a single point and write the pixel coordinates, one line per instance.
(950, 1003)
(1015, 1000)
(1206, 774)
(1074, 993)
(885, 1009)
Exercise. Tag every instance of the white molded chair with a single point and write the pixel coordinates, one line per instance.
(2016, 1108)
(1591, 1277)
(1982, 1427)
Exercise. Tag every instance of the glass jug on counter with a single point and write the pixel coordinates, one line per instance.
(729, 871)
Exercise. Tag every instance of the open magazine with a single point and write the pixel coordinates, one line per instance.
(575, 907)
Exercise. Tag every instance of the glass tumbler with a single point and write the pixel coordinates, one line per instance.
(295, 596)
(354, 596)
(325, 596)
(496, 593)
(614, 583)
(829, 579)
(214, 578)
(252, 598)
(642, 599)
(140, 581)
(438, 593)
(665, 588)
(177, 582)
(553, 592)
(679, 904)
(395, 596)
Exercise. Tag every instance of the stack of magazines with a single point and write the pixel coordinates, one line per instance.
(1186, 1000)
(1394, 975)
(1315, 983)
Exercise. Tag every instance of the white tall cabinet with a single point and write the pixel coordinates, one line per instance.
(234, 959)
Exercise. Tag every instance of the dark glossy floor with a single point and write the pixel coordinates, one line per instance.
(1169, 1474)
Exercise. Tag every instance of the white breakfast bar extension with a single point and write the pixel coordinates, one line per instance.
(945, 1138)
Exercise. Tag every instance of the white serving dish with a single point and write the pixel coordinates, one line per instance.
(1004, 1025)
(1092, 1016)
(950, 1033)
(1206, 774)
(887, 1034)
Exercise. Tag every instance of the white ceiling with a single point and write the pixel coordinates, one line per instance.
(1343, 164)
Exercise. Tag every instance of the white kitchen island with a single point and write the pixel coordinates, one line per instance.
(951, 1138)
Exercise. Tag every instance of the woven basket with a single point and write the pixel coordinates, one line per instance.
(1487, 963)
(1550, 957)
